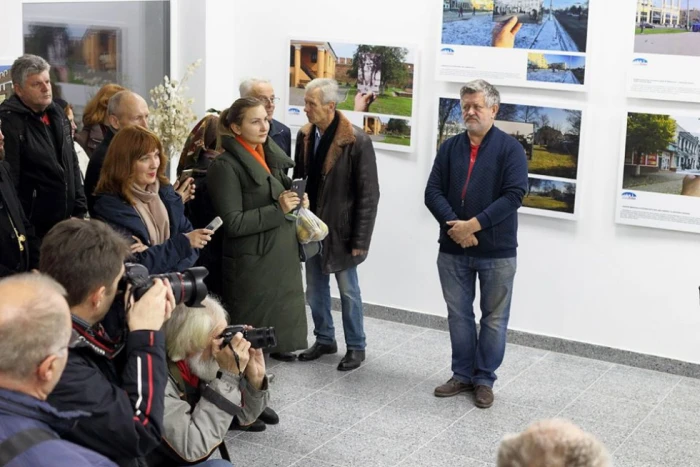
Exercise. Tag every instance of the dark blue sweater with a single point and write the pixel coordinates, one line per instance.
(494, 193)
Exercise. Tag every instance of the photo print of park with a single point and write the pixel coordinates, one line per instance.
(550, 25)
(551, 139)
(556, 68)
(376, 86)
(667, 27)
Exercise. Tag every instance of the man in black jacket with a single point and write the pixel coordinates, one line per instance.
(39, 146)
(19, 247)
(125, 395)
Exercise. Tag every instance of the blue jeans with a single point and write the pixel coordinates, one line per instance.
(214, 463)
(318, 294)
(475, 359)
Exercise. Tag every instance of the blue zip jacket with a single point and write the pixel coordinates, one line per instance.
(20, 412)
(494, 193)
(175, 254)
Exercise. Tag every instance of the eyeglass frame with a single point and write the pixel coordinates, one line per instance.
(268, 101)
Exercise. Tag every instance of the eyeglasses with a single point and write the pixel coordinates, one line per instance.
(270, 101)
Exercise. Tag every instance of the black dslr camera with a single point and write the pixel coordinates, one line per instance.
(188, 286)
(259, 338)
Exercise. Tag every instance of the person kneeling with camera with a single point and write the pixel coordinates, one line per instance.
(119, 379)
(214, 375)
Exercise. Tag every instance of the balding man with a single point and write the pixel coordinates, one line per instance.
(125, 109)
(262, 89)
(554, 443)
(35, 334)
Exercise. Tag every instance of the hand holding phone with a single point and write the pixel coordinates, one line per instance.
(214, 224)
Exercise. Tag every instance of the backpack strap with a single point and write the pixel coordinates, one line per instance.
(23, 441)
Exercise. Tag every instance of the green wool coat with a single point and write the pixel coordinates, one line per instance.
(261, 271)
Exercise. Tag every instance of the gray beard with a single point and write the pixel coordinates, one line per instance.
(204, 370)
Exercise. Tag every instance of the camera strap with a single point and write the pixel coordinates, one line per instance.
(97, 340)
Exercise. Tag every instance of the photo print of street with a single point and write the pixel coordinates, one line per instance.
(659, 151)
(667, 27)
(357, 68)
(550, 136)
(5, 81)
(527, 11)
(562, 25)
(555, 68)
(387, 130)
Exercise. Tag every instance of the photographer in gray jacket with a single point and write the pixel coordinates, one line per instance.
(207, 386)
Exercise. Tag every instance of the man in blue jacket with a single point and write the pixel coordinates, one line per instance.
(475, 188)
(35, 335)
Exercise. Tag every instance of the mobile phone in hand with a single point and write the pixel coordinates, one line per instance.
(215, 224)
(184, 175)
(299, 187)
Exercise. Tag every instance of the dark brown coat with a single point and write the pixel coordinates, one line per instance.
(348, 194)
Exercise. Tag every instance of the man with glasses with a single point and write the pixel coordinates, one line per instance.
(19, 247)
(119, 379)
(262, 89)
(35, 335)
(39, 145)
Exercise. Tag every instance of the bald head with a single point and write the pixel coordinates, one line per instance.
(127, 108)
(34, 323)
(555, 443)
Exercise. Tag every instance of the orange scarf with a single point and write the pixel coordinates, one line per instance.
(258, 153)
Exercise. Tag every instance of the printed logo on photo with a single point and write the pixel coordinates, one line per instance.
(628, 195)
(640, 61)
(294, 111)
(447, 51)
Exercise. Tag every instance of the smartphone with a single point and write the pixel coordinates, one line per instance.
(299, 187)
(215, 224)
(185, 175)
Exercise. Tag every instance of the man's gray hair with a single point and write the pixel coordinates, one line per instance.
(328, 87)
(491, 94)
(188, 331)
(116, 101)
(246, 87)
(25, 66)
(32, 326)
(554, 443)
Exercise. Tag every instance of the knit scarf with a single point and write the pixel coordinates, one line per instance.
(153, 213)
(258, 152)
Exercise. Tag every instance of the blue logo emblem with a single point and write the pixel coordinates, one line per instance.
(447, 51)
(294, 111)
(640, 61)
(628, 195)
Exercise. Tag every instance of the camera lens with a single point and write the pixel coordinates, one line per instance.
(261, 338)
(188, 287)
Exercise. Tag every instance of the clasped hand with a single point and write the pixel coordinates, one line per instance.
(462, 233)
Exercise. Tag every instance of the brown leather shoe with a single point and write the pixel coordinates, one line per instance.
(483, 398)
(452, 388)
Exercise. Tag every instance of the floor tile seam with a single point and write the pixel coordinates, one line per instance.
(535, 362)
(268, 448)
(576, 399)
(362, 419)
(644, 419)
(645, 370)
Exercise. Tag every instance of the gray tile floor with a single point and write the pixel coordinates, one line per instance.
(384, 413)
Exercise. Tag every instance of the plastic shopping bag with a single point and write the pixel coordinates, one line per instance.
(309, 227)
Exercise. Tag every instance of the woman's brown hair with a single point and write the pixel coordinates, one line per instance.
(236, 112)
(127, 147)
(96, 110)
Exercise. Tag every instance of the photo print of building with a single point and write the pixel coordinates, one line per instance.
(561, 25)
(5, 81)
(527, 11)
(386, 72)
(659, 151)
(556, 68)
(668, 27)
(551, 139)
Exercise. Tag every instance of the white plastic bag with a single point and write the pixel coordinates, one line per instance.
(309, 227)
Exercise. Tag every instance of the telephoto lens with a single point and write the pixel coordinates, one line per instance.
(259, 338)
(188, 286)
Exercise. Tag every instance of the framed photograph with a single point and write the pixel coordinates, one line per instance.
(514, 42)
(660, 171)
(382, 74)
(5, 78)
(551, 140)
(666, 56)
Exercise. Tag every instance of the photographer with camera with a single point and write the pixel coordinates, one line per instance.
(124, 394)
(214, 375)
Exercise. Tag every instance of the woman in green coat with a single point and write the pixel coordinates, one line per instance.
(249, 190)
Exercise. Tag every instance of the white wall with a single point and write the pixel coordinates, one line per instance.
(590, 280)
